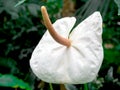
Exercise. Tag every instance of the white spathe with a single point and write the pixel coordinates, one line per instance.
(77, 64)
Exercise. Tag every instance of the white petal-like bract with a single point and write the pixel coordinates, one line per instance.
(77, 64)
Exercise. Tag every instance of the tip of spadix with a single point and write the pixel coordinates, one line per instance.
(43, 8)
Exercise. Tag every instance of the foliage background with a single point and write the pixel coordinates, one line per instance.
(22, 27)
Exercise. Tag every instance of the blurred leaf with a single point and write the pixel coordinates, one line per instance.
(70, 87)
(33, 28)
(14, 15)
(112, 56)
(58, 2)
(118, 70)
(12, 81)
(118, 4)
(8, 6)
(118, 47)
(96, 84)
(34, 8)
(19, 3)
(10, 64)
(1, 10)
(109, 77)
(11, 47)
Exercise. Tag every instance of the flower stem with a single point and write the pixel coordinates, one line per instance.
(51, 87)
(62, 87)
(85, 87)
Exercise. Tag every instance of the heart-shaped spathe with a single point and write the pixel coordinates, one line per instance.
(77, 64)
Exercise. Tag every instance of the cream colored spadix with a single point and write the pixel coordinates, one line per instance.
(76, 63)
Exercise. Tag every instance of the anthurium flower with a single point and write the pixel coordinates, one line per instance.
(64, 57)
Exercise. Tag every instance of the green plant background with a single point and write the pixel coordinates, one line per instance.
(21, 29)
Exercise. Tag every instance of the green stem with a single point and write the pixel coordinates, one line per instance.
(85, 87)
(51, 87)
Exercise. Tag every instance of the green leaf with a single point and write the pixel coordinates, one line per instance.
(118, 4)
(118, 47)
(19, 3)
(112, 56)
(58, 2)
(10, 64)
(12, 81)
(8, 6)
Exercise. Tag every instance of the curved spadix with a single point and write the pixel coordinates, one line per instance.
(53, 33)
